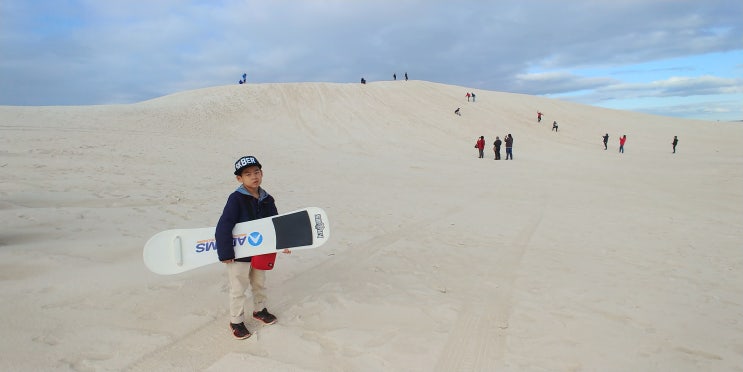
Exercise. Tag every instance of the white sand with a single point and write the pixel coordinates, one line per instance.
(569, 258)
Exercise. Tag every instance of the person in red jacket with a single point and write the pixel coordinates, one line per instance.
(621, 143)
(480, 146)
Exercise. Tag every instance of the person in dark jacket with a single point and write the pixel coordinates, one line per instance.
(496, 147)
(249, 202)
(674, 143)
(509, 147)
(606, 140)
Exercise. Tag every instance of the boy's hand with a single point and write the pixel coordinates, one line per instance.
(229, 261)
(286, 251)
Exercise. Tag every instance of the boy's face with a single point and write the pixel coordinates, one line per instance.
(251, 177)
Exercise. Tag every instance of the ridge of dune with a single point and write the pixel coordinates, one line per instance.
(570, 257)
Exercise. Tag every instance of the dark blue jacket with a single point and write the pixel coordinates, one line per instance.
(241, 207)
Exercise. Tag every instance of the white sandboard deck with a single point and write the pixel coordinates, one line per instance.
(175, 251)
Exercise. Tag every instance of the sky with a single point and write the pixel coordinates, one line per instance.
(681, 58)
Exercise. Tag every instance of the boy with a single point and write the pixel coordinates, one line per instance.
(248, 202)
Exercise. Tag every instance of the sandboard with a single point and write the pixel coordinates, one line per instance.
(175, 251)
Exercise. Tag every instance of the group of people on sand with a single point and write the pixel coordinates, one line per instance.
(623, 140)
(508, 139)
(539, 120)
(469, 95)
(394, 77)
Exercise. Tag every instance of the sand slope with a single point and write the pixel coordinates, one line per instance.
(569, 258)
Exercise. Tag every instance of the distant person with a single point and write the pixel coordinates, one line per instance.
(242, 82)
(394, 76)
(539, 117)
(245, 78)
(457, 112)
(509, 147)
(480, 146)
(473, 96)
(406, 76)
(674, 143)
(554, 126)
(606, 141)
(621, 143)
(496, 147)
(468, 96)
(363, 81)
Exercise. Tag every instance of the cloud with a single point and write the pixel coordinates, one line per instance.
(704, 97)
(87, 52)
(724, 110)
(629, 32)
(557, 82)
(672, 87)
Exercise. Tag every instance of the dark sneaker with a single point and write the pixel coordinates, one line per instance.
(264, 316)
(239, 331)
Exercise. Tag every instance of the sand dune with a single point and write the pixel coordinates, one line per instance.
(569, 258)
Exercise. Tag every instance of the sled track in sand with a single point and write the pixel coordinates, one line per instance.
(205, 345)
(478, 340)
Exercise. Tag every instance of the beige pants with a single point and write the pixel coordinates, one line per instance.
(241, 276)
